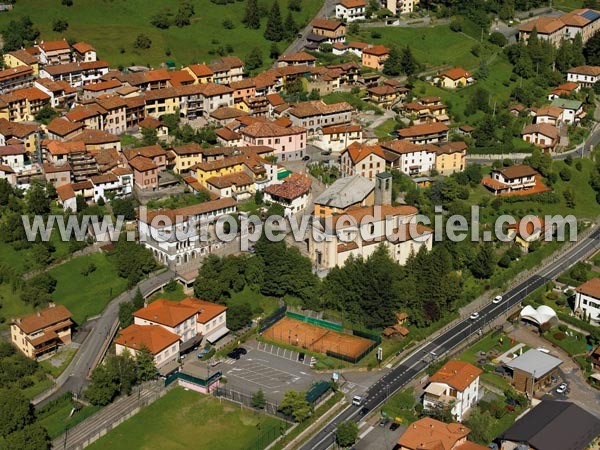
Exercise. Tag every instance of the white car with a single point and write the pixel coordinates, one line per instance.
(562, 388)
(474, 316)
(497, 299)
(357, 400)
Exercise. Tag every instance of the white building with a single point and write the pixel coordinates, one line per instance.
(456, 384)
(586, 76)
(179, 236)
(337, 138)
(13, 156)
(587, 300)
(292, 194)
(572, 109)
(410, 158)
(351, 10)
(364, 160)
(161, 343)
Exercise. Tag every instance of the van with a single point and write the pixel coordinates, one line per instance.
(357, 400)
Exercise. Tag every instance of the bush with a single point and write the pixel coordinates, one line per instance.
(559, 335)
(456, 25)
(562, 327)
(498, 39)
(142, 42)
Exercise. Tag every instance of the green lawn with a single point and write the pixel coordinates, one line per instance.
(187, 419)
(433, 47)
(57, 418)
(383, 131)
(66, 355)
(37, 388)
(499, 344)
(176, 295)
(87, 296)
(574, 345)
(567, 5)
(112, 26)
(256, 300)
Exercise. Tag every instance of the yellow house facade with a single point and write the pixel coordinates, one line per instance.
(21, 58)
(218, 168)
(162, 101)
(451, 158)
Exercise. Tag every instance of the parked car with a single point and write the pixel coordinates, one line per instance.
(301, 357)
(474, 316)
(235, 354)
(326, 152)
(383, 422)
(497, 299)
(562, 388)
(394, 426)
(305, 158)
(242, 350)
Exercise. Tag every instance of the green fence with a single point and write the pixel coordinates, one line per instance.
(313, 321)
(317, 391)
(273, 318)
(192, 379)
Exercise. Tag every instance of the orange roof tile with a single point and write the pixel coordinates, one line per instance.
(431, 434)
(456, 374)
(154, 337)
(43, 318)
(206, 310)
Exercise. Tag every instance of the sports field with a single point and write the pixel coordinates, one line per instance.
(315, 338)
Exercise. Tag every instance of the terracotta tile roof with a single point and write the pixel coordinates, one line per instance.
(6, 169)
(52, 46)
(92, 137)
(166, 312)
(63, 127)
(82, 47)
(65, 192)
(18, 129)
(226, 112)
(451, 147)
(206, 310)
(568, 86)
(81, 113)
(294, 186)
(151, 122)
(107, 159)
(543, 25)
(180, 78)
(353, 3)
(52, 168)
(326, 24)
(456, 73)
(142, 164)
(593, 71)
(62, 69)
(154, 337)
(318, 107)
(82, 186)
(104, 179)
(201, 70)
(228, 135)
(120, 171)
(431, 434)
(382, 90)
(150, 151)
(298, 57)
(102, 86)
(184, 213)
(232, 179)
(15, 72)
(376, 50)
(542, 128)
(43, 319)
(423, 130)
(401, 146)
(126, 90)
(591, 288)
(56, 87)
(225, 64)
(270, 129)
(24, 56)
(517, 171)
(456, 374)
(30, 93)
(14, 149)
(246, 83)
(549, 110)
(65, 148)
(336, 129)
(354, 216)
(358, 151)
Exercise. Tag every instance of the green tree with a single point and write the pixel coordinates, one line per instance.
(481, 425)
(15, 411)
(60, 25)
(274, 53)
(258, 399)
(295, 5)
(274, 30)
(161, 20)
(498, 39)
(238, 316)
(591, 51)
(408, 62)
(37, 202)
(31, 437)
(393, 64)
(254, 59)
(251, 15)
(483, 264)
(346, 433)
(126, 310)
(19, 34)
(578, 58)
(149, 136)
(290, 27)
(144, 365)
(142, 42)
(294, 404)
(123, 207)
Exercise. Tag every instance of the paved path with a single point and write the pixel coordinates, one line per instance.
(74, 378)
(326, 10)
(454, 335)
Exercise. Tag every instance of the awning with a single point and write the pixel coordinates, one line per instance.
(214, 337)
(595, 376)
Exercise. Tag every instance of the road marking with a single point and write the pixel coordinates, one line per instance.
(367, 431)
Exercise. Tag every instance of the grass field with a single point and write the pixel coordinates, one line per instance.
(57, 419)
(88, 21)
(433, 47)
(256, 300)
(86, 296)
(186, 419)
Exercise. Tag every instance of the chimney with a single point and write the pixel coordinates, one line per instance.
(383, 189)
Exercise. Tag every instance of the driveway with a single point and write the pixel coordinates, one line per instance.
(581, 393)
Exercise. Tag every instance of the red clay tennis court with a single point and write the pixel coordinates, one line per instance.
(315, 338)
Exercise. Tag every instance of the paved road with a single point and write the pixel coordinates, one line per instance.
(74, 378)
(401, 375)
(326, 10)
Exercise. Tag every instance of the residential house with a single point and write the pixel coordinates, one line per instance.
(146, 163)
(572, 110)
(83, 52)
(336, 138)
(19, 58)
(332, 30)
(585, 22)
(344, 194)
(454, 78)
(552, 425)
(587, 300)
(351, 10)
(62, 94)
(455, 384)
(384, 96)
(410, 158)
(22, 105)
(238, 185)
(66, 197)
(533, 371)
(289, 143)
(179, 78)
(292, 194)
(242, 90)
(102, 88)
(511, 179)
(239, 161)
(364, 160)
(227, 69)
(451, 157)
(77, 74)
(229, 138)
(81, 163)
(15, 78)
(548, 28)
(13, 156)
(146, 80)
(106, 186)
(159, 102)
(43, 332)
(426, 133)
(431, 434)
(26, 133)
(399, 7)
(316, 114)
(542, 135)
(375, 56)
(585, 76)
(188, 155)
(162, 344)
(549, 114)
(180, 236)
(226, 114)
(526, 231)
(201, 72)
(57, 174)
(54, 52)
(150, 123)
(564, 90)
(297, 59)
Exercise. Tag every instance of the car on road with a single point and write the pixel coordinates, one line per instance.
(326, 152)
(497, 299)
(562, 388)
(383, 422)
(242, 350)
(305, 158)
(394, 426)
(357, 400)
(301, 357)
(237, 353)
(474, 316)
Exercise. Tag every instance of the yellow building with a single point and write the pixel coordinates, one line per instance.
(201, 73)
(220, 167)
(450, 157)
(21, 58)
(162, 101)
(453, 78)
